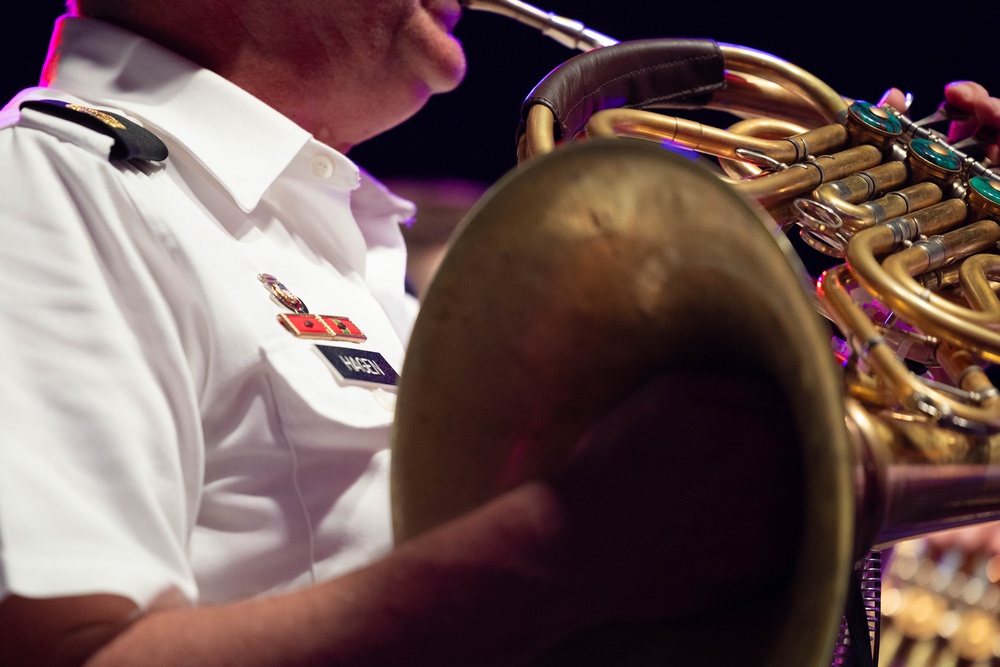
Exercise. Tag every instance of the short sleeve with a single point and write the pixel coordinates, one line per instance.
(100, 447)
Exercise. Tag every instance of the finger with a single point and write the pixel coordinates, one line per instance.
(988, 111)
(975, 99)
(965, 94)
(895, 98)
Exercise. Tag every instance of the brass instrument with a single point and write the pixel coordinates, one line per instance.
(600, 263)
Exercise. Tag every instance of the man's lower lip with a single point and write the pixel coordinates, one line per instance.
(446, 17)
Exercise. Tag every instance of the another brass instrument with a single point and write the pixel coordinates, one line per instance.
(598, 264)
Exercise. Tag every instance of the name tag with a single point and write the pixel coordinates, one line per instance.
(364, 366)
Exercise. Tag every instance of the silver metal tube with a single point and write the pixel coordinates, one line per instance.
(566, 31)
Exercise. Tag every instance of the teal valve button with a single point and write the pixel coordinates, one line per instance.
(876, 117)
(936, 154)
(987, 188)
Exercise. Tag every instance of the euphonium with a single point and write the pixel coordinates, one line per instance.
(599, 263)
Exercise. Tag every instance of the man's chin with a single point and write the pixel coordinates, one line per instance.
(446, 72)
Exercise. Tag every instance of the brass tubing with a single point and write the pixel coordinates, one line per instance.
(870, 392)
(713, 141)
(974, 275)
(764, 128)
(939, 279)
(843, 195)
(967, 374)
(539, 133)
(767, 128)
(853, 218)
(806, 176)
(910, 391)
(891, 235)
(828, 101)
(892, 205)
(894, 285)
(862, 185)
(927, 498)
(756, 83)
(750, 96)
(939, 251)
(903, 490)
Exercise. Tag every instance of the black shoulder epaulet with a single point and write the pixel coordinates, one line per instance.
(132, 141)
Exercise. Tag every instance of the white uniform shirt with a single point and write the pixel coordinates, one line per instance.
(162, 436)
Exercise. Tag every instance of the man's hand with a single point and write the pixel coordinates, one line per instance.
(984, 112)
(59, 631)
(684, 498)
(970, 97)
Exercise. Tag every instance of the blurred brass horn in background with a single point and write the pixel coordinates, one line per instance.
(600, 263)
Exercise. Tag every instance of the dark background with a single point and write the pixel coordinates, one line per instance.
(469, 133)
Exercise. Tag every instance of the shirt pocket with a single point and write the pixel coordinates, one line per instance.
(317, 410)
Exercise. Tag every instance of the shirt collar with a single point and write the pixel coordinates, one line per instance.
(241, 141)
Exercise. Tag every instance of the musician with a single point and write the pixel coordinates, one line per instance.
(203, 327)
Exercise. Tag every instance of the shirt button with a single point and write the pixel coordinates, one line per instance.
(322, 166)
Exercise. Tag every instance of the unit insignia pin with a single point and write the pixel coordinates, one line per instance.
(304, 324)
(282, 293)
